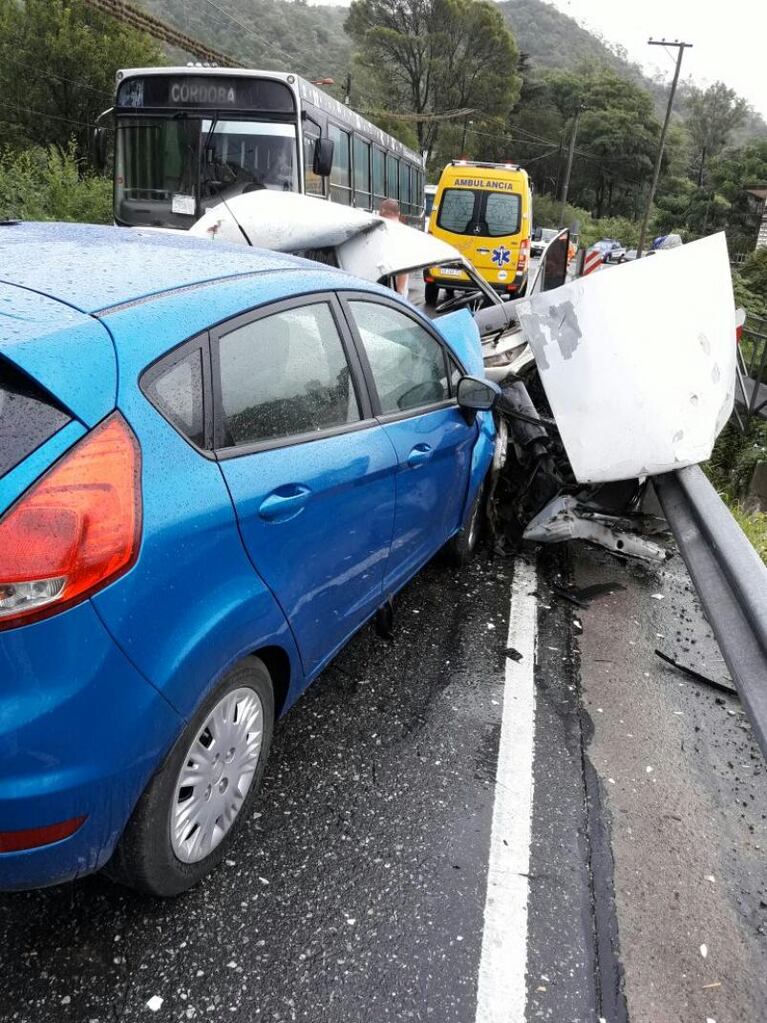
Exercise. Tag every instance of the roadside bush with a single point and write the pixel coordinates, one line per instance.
(750, 284)
(730, 469)
(734, 456)
(546, 214)
(47, 183)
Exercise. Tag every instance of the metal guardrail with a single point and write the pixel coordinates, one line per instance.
(752, 363)
(731, 581)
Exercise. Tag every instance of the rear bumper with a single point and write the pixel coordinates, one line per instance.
(81, 733)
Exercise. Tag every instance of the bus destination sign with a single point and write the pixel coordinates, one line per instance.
(205, 92)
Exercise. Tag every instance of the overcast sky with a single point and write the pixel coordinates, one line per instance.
(729, 42)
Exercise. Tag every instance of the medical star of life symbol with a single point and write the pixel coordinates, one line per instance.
(501, 255)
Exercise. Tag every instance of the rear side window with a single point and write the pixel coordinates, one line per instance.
(456, 211)
(284, 375)
(502, 213)
(177, 391)
(28, 416)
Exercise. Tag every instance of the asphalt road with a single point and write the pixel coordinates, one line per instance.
(455, 828)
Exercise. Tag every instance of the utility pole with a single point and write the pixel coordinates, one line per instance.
(681, 47)
(571, 153)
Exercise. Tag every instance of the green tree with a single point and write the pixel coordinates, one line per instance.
(617, 136)
(431, 57)
(57, 65)
(712, 117)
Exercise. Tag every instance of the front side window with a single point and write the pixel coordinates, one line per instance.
(178, 393)
(314, 183)
(283, 375)
(407, 364)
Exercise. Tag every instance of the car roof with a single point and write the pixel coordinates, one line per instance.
(94, 268)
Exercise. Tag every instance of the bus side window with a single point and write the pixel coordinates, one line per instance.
(392, 170)
(379, 176)
(340, 177)
(404, 188)
(361, 173)
(314, 185)
(415, 201)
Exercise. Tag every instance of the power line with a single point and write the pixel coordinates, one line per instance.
(249, 31)
(60, 78)
(42, 113)
(131, 15)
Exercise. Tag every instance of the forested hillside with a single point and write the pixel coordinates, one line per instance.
(280, 34)
(311, 40)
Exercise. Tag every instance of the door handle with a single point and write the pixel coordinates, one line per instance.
(284, 503)
(421, 453)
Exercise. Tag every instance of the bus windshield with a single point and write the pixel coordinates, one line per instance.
(168, 170)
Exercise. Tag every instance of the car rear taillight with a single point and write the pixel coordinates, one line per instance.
(76, 529)
(524, 252)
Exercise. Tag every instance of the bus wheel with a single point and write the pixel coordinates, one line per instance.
(431, 293)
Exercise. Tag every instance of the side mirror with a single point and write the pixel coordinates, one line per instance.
(537, 234)
(100, 147)
(477, 395)
(323, 157)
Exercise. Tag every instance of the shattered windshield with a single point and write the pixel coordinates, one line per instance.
(170, 169)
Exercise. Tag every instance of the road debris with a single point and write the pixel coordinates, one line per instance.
(704, 679)
(155, 1003)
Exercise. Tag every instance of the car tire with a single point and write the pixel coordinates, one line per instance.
(156, 853)
(460, 548)
(431, 293)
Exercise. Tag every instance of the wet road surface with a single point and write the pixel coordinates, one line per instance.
(359, 890)
(684, 796)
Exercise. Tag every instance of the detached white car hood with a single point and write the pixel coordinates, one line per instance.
(638, 362)
(366, 245)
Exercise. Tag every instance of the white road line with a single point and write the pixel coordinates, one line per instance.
(501, 994)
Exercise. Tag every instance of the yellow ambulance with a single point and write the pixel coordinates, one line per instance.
(485, 211)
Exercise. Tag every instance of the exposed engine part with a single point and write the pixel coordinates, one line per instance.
(534, 496)
(565, 518)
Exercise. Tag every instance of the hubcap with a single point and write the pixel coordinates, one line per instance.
(217, 773)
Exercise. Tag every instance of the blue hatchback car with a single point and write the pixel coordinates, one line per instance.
(215, 465)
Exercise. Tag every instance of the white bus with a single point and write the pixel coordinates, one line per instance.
(188, 138)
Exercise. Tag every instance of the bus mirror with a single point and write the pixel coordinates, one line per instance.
(323, 157)
(100, 147)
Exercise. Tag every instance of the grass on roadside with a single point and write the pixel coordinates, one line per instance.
(730, 469)
(754, 526)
